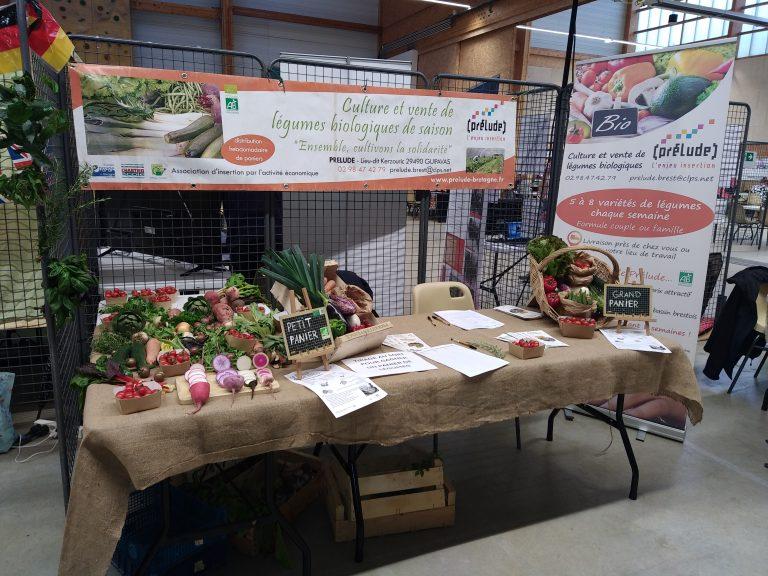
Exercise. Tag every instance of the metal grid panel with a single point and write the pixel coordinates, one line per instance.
(23, 345)
(137, 239)
(374, 234)
(119, 52)
(737, 126)
(479, 237)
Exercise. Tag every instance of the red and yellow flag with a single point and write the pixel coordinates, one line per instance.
(46, 38)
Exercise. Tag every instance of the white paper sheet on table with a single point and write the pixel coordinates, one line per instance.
(517, 312)
(468, 362)
(634, 339)
(342, 391)
(468, 319)
(541, 336)
(406, 342)
(388, 363)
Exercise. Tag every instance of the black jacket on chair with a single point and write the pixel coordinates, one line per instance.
(733, 332)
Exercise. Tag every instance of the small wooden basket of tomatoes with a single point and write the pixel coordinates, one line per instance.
(116, 297)
(526, 348)
(573, 327)
(241, 340)
(174, 362)
(138, 396)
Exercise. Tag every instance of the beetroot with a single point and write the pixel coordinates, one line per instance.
(344, 305)
(212, 297)
(232, 293)
(223, 312)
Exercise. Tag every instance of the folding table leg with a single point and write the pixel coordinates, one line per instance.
(551, 423)
(518, 441)
(350, 467)
(627, 446)
(287, 528)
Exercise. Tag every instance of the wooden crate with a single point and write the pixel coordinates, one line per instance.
(394, 497)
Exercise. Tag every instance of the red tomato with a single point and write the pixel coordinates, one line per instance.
(588, 77)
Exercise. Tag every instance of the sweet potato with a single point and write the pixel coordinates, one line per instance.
(153, 350)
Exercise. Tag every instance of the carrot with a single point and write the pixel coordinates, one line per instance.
(329, 286)
(153, 350)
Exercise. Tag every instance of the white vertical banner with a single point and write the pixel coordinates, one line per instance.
(640, 176)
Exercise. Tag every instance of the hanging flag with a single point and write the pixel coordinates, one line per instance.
(46, 38)
(19, 158)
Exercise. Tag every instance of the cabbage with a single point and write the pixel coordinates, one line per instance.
(543, 246)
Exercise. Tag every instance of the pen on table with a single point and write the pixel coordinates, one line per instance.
(436, 317)
(431, 321)
(467, 344)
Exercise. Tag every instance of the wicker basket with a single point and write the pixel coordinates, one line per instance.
(602, 271)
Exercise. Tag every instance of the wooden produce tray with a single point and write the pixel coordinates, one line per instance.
(182, 389)
(395, 498)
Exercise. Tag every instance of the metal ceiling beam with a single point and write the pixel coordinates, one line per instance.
(678, 6)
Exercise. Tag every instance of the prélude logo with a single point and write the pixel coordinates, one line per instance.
(665, 148)
(485, 122)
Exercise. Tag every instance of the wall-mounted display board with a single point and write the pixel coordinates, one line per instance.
(164, 129)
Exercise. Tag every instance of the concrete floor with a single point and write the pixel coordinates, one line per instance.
(553, 508)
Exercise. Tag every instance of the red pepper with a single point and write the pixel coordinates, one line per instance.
(553, 299)
(550, 284)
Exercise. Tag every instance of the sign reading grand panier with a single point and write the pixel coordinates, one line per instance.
(153, 129)
(640, 176)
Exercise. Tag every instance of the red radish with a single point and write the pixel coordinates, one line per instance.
(199, 391)
(260, 360)
(212, 297)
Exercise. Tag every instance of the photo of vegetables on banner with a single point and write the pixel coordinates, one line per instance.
(144, 116)
(660, 87)
(640, 175)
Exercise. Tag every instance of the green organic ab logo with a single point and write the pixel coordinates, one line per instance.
(685, 278)
(324, 332)
(231, 104)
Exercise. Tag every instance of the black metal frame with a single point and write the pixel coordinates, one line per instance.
(274, 516)
(616, 422)
(547, 201)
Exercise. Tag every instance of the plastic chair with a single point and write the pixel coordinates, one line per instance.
(433, 296)
(743, 222)
(761, 328)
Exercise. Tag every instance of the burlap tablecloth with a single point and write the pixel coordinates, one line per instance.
(119, 454)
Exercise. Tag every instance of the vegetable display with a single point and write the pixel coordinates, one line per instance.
(571, 283)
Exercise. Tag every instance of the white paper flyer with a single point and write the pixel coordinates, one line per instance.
(342, 391)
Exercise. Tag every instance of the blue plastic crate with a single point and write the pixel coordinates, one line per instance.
(180, 559)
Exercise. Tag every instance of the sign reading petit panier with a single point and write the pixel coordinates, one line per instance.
(628, 301)
(307, 334)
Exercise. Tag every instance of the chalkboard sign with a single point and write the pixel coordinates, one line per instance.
(614, 122)
(307, 334)
(628, 301)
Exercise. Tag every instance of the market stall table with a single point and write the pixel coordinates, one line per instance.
(119, 454)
